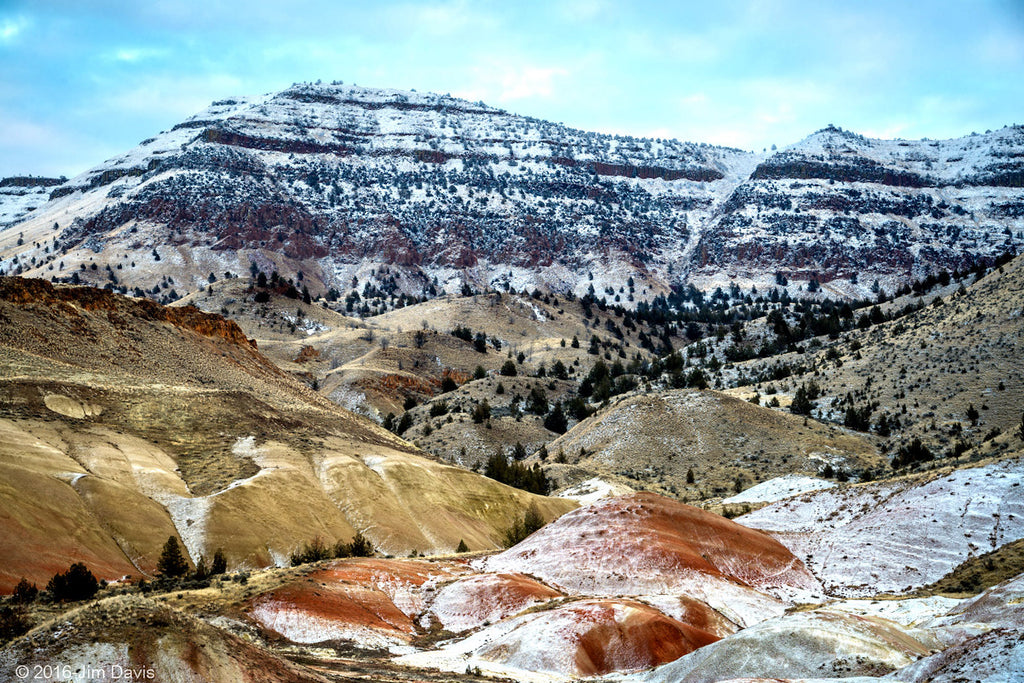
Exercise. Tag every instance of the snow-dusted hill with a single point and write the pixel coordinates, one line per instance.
(895, 536)
(21, 195)
(337, 181)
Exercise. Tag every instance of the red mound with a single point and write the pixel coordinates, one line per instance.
(647, 544)
(470, 602)
(371, 602)
(594, 637)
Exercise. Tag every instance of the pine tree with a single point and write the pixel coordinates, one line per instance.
(556, 421)
(219, 564)
(801, 403)
(172, 563)
(462, 548)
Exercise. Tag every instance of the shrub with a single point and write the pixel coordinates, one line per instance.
(219, 564)
(482, 411)
(13, 622)
(312, 551)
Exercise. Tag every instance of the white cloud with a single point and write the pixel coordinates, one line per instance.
(1001, 49)
(529, 81)
(137, 54)
(441, 18)
(502, 83)
(583, 10)
(10, 29)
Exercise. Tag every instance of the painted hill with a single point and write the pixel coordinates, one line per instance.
(898, 535)
(124, 422)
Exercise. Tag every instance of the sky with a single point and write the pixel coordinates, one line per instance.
(84, 80)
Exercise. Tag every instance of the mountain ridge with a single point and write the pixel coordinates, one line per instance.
(338, 182)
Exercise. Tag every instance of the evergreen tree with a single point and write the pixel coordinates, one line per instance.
(555, 421)
(24, 592)
(77, 583)
(219, 564)
(801, 403)
(172, 563)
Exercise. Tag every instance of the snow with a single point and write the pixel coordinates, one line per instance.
(779, 488)
(301, 626)
(592, 490)
(894, 536)
(909, 612)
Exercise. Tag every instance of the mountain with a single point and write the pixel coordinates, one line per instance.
(21, 195)
(124, 422)
(418, 192)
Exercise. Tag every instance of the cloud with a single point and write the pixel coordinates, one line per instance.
(138, 54)
(10, 29)
(179, 96)
(1001, 49)
(583, 10)
(502, 83)
(529, 81)
(440, 18)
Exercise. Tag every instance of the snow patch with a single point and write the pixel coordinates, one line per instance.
(779, 488)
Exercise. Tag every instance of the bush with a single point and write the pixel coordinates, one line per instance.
(516, 474)
(914, 453)
(13, 622)
(360, 547)
(219, 564)
(312, 551)
(481, 412)
(24, 592)
(556, 421)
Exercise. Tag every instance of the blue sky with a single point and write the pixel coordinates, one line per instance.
(83, 80)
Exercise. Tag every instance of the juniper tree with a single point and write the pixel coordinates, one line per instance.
(172, 563)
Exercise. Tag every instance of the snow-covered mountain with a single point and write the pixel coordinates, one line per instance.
(21, 195)
(403, 188)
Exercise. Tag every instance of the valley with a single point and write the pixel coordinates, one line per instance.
(415, 388)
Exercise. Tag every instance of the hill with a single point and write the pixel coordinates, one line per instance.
(658, 440)
(946, 374)
(124, 422)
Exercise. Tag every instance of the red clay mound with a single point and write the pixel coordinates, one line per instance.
(592, 637)
(645, 544)
(371, 602)
(470, 602)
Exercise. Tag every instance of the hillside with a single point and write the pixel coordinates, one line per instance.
(923, 373)
(124, 422)
(419, 193)
(899, 535)
(655, 440)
